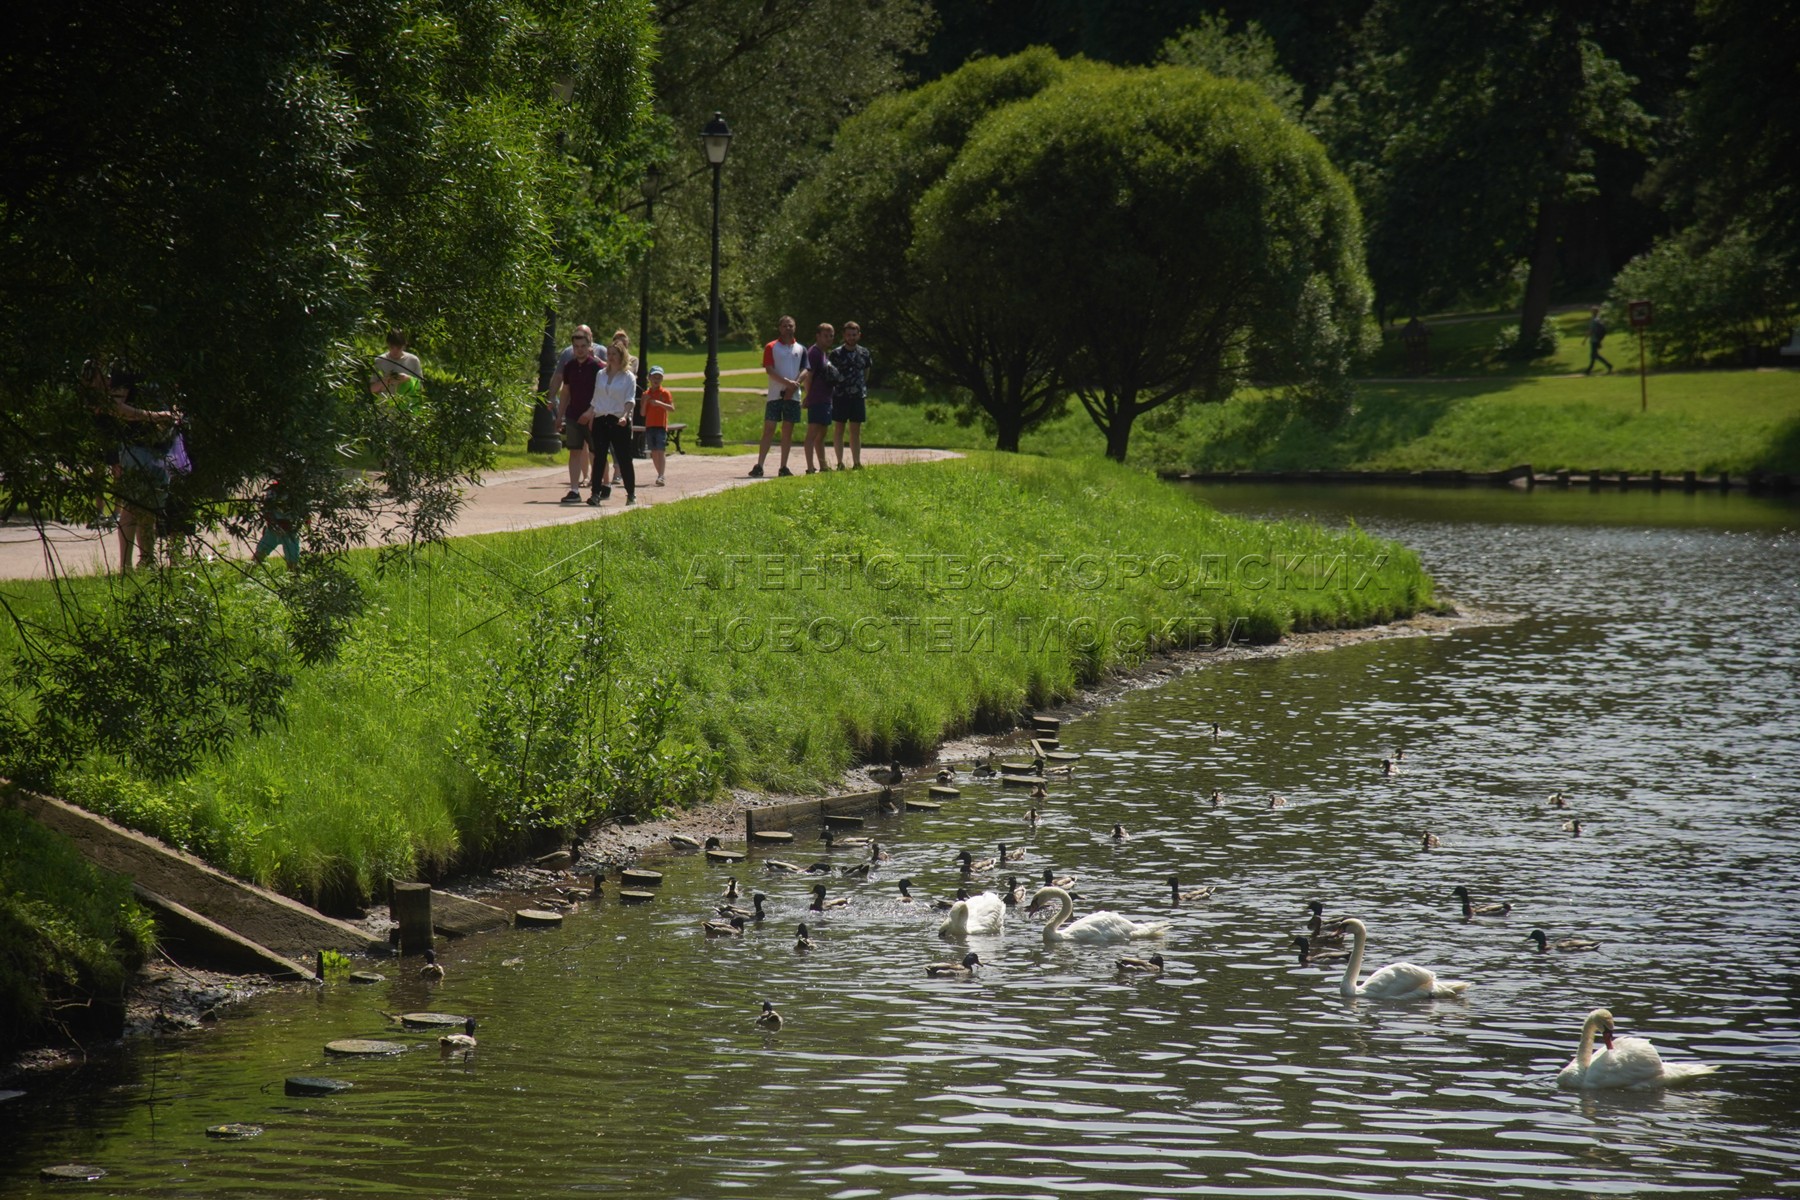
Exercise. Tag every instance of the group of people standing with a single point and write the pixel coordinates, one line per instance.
(829, 383)
(596, 402)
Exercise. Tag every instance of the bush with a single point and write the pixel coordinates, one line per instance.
(1507, 345)
(1713, 302)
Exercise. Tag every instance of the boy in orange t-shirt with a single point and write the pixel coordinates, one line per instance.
(658, 404)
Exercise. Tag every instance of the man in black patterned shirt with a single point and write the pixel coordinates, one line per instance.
(850, 395)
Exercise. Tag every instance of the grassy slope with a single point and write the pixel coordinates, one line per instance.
(361, 782)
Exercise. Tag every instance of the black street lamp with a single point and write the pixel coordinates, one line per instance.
(716, 140)
(652, 187)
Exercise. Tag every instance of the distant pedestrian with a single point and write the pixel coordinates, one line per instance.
(783, 360)
(609, 425)
(146, 436)
(850, 394)
(572, 388)
(622, 340)
(816, 380)
(398, 373)
(1596, 335)
(658, 404)
(280, 528)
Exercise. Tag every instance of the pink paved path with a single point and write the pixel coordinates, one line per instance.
(506, 500)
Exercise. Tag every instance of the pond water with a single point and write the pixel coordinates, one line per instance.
(1651, 675)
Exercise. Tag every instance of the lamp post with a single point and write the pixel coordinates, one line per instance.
(652, 186)
(715, 139)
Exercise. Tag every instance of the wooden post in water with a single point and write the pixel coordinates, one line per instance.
(411, 909)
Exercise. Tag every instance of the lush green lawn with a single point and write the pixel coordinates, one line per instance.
(899, 637)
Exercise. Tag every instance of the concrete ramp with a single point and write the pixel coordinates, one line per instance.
(273, 929)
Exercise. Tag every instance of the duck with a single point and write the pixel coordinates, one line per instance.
(946, 775)
(682, 841)
(1626, 1063)
(1399, 754)
(1316, 926)
(1387, 767)
(1218, 797)
(731, 927)
(859, 871)
(1014, 895)
(1118, 833)
(890, 775)
(780, 866)
(982, 915)
(834, 842)
(820, 868)
(559, 860)
(1429, 840)
(906, 896)
(1396, 981)
(432, 971)
(802, 939)
(732, 894)
(1097, 928)
(877, 854)
(1308, 955)
(820, 903)
(1052, 879)
(749, 914)
(459, 1043)
(985, 768)
(1039, 766)
(769, 1019)
(947, 905)
(1573, 827)
(1471, 911)
(1039, 792)
(1130, 965)
(1557, 800)
(1032, 818)
(1177, 896)
(1277, 800)
(888, 804)
(1011, 856)
(971, 864)
(1566, 945)
(1215, 731)
(955, 970)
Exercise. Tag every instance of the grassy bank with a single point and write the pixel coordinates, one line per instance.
(948, 598)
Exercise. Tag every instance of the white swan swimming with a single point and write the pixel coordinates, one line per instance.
(978, 915)
(1100, 928)
(1627, 1063)
(1396, 981)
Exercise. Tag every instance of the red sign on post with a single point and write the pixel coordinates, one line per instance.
(1639, 313)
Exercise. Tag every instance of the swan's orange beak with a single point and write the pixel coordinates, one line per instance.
(1607, 1034)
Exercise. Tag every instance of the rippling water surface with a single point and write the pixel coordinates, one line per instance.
(1651, 675)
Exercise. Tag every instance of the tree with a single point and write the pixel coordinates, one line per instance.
(1248, 54)
(841, 246)
(1172, 232)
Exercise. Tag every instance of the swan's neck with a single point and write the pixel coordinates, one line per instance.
(1585, 1055)
(1065, 910)
(1353, 968)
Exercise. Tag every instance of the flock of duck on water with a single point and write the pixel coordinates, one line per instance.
(1626, 1062)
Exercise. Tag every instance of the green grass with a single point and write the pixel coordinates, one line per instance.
(362, 783)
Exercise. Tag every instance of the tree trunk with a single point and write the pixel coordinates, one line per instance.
(1118, 431)
(1543, 270)
(1008, 425)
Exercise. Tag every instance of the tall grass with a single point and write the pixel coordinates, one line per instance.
(750, 603)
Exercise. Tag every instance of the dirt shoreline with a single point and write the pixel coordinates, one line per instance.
(168, 997)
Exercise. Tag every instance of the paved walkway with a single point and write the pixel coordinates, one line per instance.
(504, 501)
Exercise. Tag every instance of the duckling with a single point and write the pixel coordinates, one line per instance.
(1471, 911)
(1039, 792)
(1429, 840)
(1566, 945)
(890, 775)
(1308, 955)
(560, 860)
(770, 1019)
(1007, 856)
(432, 971)
(1277, 800)
(682, 841)
(1316, 926)
(779, 866)
(733, 927)
(1118, 833)
(802, 939)
(1176, 895)
(1573, 827)
(459, 1043)
(971, 864)
(1015, 891)
(1052, 879)
(749, 914)
(820, 903)
(1132, 965)
(949, 970)
(1032, 819)
(888, 803)
(1218, 798)
(731, 890)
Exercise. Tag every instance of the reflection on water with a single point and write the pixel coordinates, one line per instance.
(1651, 677)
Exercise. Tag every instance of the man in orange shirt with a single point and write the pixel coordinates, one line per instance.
(658, 404)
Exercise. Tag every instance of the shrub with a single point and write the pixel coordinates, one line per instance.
(1507, 344)
(1713, 302)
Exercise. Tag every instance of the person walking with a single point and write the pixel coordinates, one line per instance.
(1596, 335)
(398, 373)
(850, 394)
(658, 404)
(783, 360)
(816, 382)
(573, 386)
(145, 438)
(609, 425)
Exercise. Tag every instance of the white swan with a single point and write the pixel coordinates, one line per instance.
(1100, 928)
(1627, 1063)
(1396, 981)
(979, 915)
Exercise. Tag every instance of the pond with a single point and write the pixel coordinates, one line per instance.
(1650, 675)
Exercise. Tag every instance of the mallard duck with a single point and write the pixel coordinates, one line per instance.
(1177, 896)
(1041, 766)
(1215, 731)
(729, 911)
(859, 871)
(1014, 895)
(1566, 945)
(1052, 879)
(877, 854)
(890, 775)
(432, 971)
(778, 866)
(1573, 827)
(950, 970)
(802, 939)
(1118, 833)
(834, 842)
(985, 768)
(1277, 800)
(769, 1019)
(731, 890)
(820, 903)
(1218, 798)
(1309, 955)
(682, 841)
(1007, 856)
(906, 896)
(1429, 841)
(889, 803)
(1032, 819)
(559, 860)
(1131, 965)
(946, 775)
(820, 868)
(1399, 753)
(459, 1043)
(947, 905)
(1316, 926)
(734, 927)
(1558, 800)
(971, 864)
(1387, 766)
(1471, 911)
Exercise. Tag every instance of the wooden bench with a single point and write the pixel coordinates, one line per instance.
(638, 449)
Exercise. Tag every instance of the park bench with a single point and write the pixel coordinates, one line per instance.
(676, 429)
